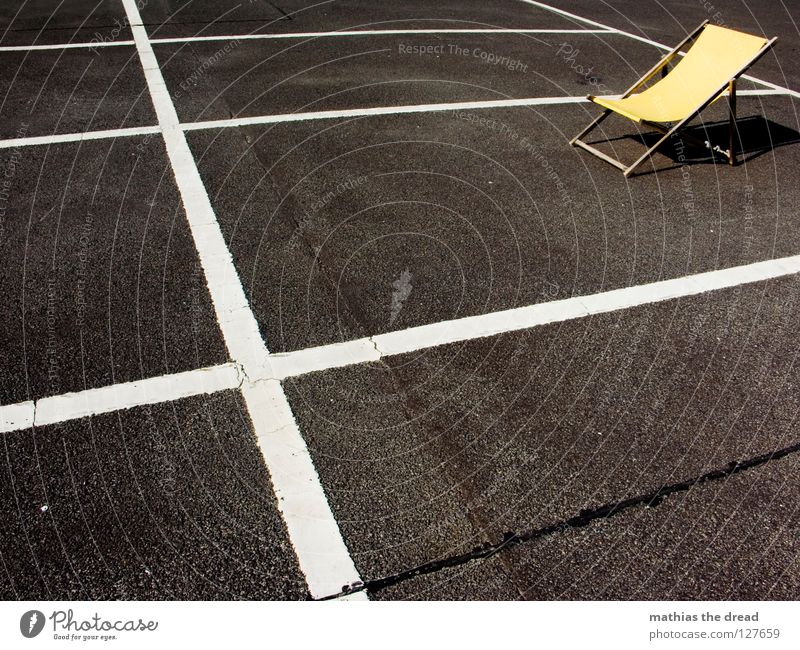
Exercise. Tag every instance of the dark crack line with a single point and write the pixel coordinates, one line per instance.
(277, 8)
(583, 518)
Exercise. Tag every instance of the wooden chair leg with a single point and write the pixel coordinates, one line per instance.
(732, 122)
(591, 126)
(731, 153)
(649, 152)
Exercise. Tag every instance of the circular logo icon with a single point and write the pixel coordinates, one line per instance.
(31, 623)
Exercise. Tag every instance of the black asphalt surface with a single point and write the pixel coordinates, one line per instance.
(69, 91)
(648, 453)
(164, 502)
(265, 77)
(100, 281)
(432, 454)
(23, 22)
(333, 212)
(174, 18)
(670, 22)
(730, 540)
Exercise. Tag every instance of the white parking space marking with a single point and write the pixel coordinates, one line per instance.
(165, 388)
(512, 320)
(375, 32)
(403, 110)
(300, 35)
(94, 401)
(283, 365)
(63, 46)
(642, 39)
(378, 110)
(14, 417)
(324, 357)
(312, 528)
(235, 122)
(321, 552)
(58, 138)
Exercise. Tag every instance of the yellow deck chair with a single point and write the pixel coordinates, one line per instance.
(712, 65)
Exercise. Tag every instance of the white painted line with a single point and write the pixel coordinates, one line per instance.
(300, 35)
(567, 14)
(463, 329)
(51, 410)
(374, 32)
(14, 417)
(473, 327)
(301, 362)
(153, 390)
(780, 89)
(321, 552)
(401, 110)
(378, 110)
(318, 115)
(62, 46)
(71, 406)
(642, 39)
(358, 595)
(760, 93)
(57, 138)
(312, 528)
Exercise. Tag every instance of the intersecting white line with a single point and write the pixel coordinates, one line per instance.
(403, 110)
(63, 46)
(57, 138)
(300, 35)
(642, 39)
(234, 122)
(337, 355)
(94, 401)
(313, 531)
(375, 32)
(283, 365)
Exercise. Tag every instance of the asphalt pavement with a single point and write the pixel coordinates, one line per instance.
(649, 452)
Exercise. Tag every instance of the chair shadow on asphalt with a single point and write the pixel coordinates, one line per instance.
(755, 136)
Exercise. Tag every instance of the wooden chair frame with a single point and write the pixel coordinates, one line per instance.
(668, 132)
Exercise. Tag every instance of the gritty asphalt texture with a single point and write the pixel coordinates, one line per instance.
(437, 452)
(262, 77)
(23, 22)
(168, 18)
(732, 540)
(100, 281)
(167, 501)
(331, 213)
(345, 228)
(69, 91)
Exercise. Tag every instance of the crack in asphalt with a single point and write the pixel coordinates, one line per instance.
(583, 518)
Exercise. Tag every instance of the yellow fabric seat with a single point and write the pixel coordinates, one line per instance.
(716, 56)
